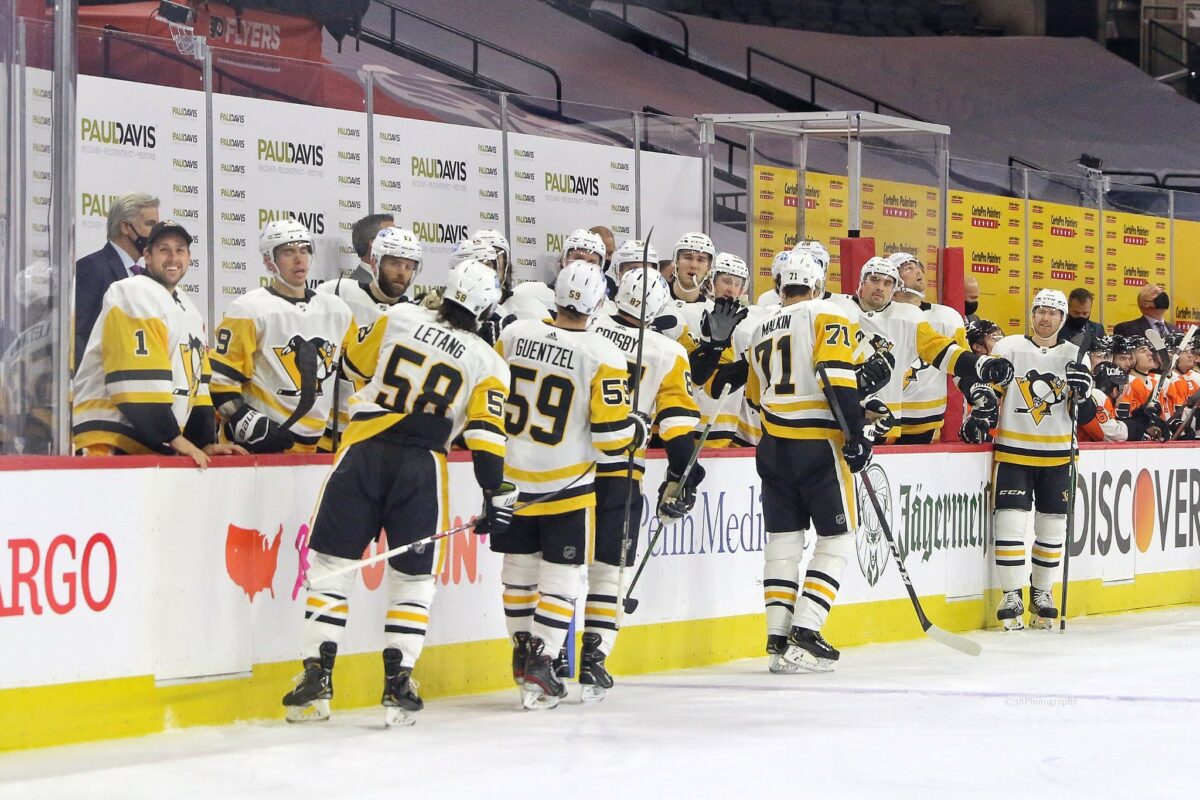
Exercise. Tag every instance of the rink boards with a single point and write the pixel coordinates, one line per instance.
(141, 595)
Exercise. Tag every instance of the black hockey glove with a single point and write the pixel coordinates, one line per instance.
(994, 370)
(257, 432)
(641, 429)
(857, 453)
(489, 329)
(880, 418)
(497, 511)
(1079, 378)
(975, 430)
(675, 501)
(985, 404)
(664, 322)
(716, 326)
(875, 372)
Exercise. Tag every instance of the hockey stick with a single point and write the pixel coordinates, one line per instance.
(337, 383)
(960, 643)
(1166, 361)
(1084, 346)
(630, 603)
(1185, 421)
(635, 386)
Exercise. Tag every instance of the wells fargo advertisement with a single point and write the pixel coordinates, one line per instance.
(991, 231)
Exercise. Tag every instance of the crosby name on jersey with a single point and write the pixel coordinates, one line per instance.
(279, 355)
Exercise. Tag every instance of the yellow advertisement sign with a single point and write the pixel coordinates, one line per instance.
(776, 211)
(1064, 244)
(1137, 253)
(991, 232)
(903, 218)
(826, 211)
(1185, 296)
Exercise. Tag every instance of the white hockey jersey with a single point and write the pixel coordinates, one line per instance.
(567, 404)
(1035, 423)
(924, 392)
(279, 355)
(144, 370)
(665, 392)
(426, 381)
(531, 300)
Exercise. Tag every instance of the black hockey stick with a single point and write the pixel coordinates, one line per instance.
(1084, 347)
(630, 603)
(635, 389)
(960, 643)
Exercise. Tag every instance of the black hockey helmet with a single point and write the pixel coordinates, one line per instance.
(978, 330)
(1109, 376)
(1124, 345)
(1101, 344)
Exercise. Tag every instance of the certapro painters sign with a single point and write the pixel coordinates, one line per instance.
(557, 186)
(269, 168)
(442, 181)
(142, 138)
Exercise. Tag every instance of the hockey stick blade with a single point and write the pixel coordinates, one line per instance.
(960, 643)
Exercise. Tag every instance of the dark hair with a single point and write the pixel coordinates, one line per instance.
(363, 232)
(457, 317)
(795, 291)
(1080, 295)
(571, 315)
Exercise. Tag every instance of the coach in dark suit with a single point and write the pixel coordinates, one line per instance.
(1079, 325)
(1154, 303)
(130, 219)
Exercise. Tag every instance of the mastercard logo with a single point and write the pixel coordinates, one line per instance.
(1143, 510)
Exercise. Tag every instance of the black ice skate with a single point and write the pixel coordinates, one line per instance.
(593, 676)
(309, 701)
(1010, 611)
(1042, 611)
(808, 650)
(520, 654)
(562, 665)
(400, 700)
(542, 689)
(777, 645)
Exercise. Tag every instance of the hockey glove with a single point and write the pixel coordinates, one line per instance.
(875, 372)
(975, 430)
(676, 500)
(994, 370)
(880, 418)
(985, 404)
(716, 326)
(489, 329)
(664, 323)
(497, 511)
(641, 429)
(257, 432)
(1156, 429)
(857, 453)
(1079, 379)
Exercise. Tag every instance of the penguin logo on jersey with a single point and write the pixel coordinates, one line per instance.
(1041, 392)
(308, 362)
(191, 355)
(910, 375)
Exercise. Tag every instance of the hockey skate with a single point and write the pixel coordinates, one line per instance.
(594, 679)
(1042, 611)
(309, 701)
(520, 654)
(400, 700)
(777, 645)
(1010, 611)
(541, 688)
(807, 650)
(562, 664)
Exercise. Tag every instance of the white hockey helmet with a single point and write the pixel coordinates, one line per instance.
(580, 287)
(629, 294)
(779, 262)
(1051, 298)
(631, 252)
(280, 232)
(474, 286)
(475, 248)
(697, 242)
(398, 243)
(728, 264)
(879, 266)
(898, 260)
(814, 249)
(583, 239)
(802, 269)
(496, 239)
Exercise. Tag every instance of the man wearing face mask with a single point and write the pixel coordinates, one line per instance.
(130, 218)
(1154, 303)
(970, 299)
(1079, 322)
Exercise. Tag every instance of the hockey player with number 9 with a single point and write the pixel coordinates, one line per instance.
(1033, 453)
(429, 378)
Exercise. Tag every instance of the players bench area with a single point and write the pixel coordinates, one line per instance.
(141, 594)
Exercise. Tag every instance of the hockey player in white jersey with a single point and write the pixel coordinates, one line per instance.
(693, 256)
(632, 254)
(428, 378)
(770, 298)
(910, 336)
(924, 394)
(1032, 456)
(277, 351)
(395, 260)
(664, 396)
(535, 300)
(567, 405)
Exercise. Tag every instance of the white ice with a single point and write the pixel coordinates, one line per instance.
(1111, 709)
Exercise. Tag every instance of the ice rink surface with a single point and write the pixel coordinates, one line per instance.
(1111, 709)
